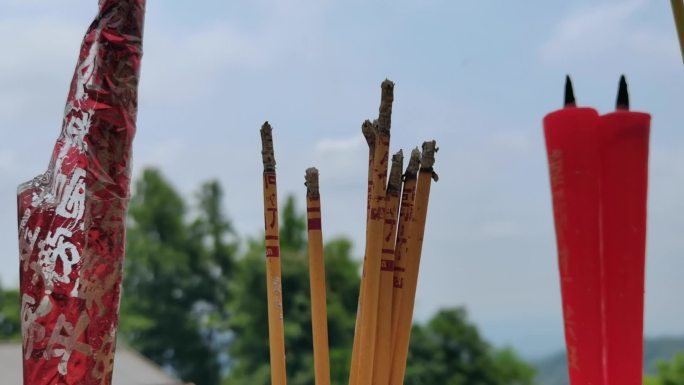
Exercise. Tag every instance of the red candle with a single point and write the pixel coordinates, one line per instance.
(572, 142)
(623, 145)
(72, 218)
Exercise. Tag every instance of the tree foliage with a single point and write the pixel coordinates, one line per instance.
(197, 306)
(249, 324)
(176, 274)
(669, 373)
(10, 325)
(449, 350)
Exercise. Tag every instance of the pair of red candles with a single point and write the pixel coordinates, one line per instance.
(598, 166)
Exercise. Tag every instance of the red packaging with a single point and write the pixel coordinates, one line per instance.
(72, 218)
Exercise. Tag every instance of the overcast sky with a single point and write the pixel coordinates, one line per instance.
(476, 76)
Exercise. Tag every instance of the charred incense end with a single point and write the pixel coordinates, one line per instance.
(413, 165)
(377, 133)
(428, 159)
(311, 183)
(267, 152)
(622, 96)
(569, 93)
(394, 181)
(386, 100)
(369, 133)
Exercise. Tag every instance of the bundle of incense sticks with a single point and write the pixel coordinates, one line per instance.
(395, 224)
(599, 177)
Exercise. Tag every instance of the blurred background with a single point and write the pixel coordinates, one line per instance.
(476, 76)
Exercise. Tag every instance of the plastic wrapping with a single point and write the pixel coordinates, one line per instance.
(72, 218)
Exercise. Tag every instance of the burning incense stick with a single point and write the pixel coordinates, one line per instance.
(72, 218)
(678, 12)
(574, 167)
(276, 333)
(407, 198)
(623, 145)
(368, 131)
(369, 300)
(319, 313)
(383, 345)
(413, 254)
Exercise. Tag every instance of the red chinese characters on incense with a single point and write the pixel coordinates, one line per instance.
(599, 178)
(72, 218)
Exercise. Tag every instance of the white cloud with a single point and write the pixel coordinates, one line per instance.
(38, 61)
(498, 230)
(514, 142)
(609, 31)
(343, 146)
(7, 161)
(185, 64)
(342, 160)
(182, 67)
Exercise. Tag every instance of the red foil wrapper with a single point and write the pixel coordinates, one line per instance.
(72, 218)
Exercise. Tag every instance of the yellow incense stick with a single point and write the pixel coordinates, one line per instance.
(678, 12)
(369, 133)
(369, 301)
(408, 195)
(413, 254)
(383, 347)
(276, 332)
(319, 311)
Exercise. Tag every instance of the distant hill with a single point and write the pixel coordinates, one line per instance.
(552, 370)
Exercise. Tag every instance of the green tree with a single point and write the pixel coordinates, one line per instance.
(449, 350)
(10, 324)
(176, 274)
(191, 306)
(669, 373)
(249, 323)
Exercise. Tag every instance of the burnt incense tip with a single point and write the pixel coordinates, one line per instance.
(368, 132)
(623, 95)
(394, 180)
(427, 160)
(413, 165)
(311, 178)
(376, 128)
(267, 151)
(387, 84)
(569, 93)
(386, 100)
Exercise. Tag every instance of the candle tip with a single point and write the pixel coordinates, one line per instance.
(623, 95)
(569, 93)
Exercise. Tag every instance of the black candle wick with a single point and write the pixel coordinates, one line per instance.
(622, 96)
(569, 93)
